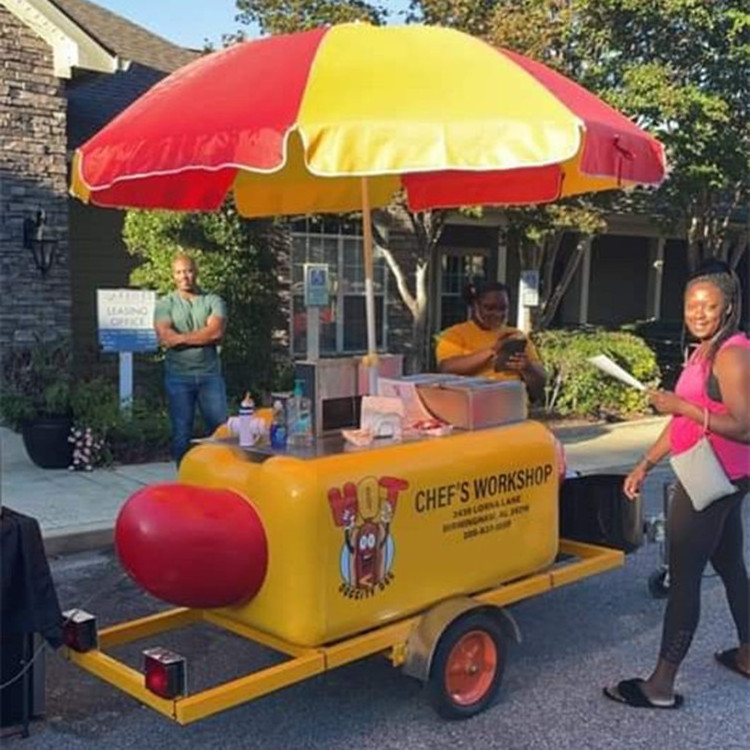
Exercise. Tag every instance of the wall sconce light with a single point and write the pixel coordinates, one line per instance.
(42, 246)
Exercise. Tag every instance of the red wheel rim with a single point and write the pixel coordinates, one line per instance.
(471, 667)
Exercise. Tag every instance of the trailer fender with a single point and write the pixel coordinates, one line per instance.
(425, 635)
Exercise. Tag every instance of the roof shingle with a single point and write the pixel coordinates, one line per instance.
(124, 38)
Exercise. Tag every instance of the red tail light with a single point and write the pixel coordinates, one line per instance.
(79, 630)
(165, 672)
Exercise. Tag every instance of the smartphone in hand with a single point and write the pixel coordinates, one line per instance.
(508, 349)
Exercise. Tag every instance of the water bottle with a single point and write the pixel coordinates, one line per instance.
(278, 425)
(299, 418)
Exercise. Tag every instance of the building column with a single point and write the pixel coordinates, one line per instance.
(502, 258)
(655, 277)
(435, 292)
(585, 271)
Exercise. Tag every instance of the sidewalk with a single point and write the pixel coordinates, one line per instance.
(77, 510)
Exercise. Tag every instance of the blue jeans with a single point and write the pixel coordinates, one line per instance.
(183, 392)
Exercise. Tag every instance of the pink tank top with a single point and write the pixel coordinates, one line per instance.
(684, 433)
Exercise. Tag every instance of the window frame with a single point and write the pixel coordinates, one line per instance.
(458, 252)
(340, 237)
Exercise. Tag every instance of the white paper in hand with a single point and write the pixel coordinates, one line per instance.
(605, 364)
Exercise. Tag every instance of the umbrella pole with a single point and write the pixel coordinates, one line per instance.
(371, 360)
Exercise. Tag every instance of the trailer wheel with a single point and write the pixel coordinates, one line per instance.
(658, 584)
(467, 667)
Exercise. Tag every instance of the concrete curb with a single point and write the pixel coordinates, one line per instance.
(59, 543)
(597, 428)
(639, 422)
(619, 469)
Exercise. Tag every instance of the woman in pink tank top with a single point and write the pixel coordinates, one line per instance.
(713, 389)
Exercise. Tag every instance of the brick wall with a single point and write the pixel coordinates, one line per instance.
(32, 177)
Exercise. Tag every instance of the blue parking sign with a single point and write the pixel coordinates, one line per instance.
(316, 284)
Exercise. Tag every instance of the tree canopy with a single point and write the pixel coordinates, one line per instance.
(285, 16)
(680, 68)
(235, 260)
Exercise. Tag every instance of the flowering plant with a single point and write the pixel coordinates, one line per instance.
(88, 449)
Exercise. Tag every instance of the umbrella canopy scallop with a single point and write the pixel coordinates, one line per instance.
(290, 124)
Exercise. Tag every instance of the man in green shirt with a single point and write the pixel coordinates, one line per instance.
(190, 324)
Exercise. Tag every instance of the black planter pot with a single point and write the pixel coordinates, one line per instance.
(46, 441)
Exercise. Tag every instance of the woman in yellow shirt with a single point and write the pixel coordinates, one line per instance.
(480, 346)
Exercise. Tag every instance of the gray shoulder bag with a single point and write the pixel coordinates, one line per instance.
(700, 472)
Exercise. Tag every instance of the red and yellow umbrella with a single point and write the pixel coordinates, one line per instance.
(339, 119)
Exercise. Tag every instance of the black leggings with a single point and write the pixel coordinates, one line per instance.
(714, 534)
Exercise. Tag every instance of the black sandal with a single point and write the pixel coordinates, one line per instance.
(728, 659)
(630, 692)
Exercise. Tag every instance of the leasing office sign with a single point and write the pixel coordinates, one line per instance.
(126, 320)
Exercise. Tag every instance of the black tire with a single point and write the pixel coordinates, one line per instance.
(658, 584)
(484, 628)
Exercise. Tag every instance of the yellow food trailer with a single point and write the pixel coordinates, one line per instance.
(331, 553)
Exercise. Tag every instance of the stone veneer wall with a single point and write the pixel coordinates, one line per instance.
(33, 176)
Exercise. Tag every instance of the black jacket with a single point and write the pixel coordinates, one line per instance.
(29, 601)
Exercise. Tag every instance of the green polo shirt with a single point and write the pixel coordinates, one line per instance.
(186, 316)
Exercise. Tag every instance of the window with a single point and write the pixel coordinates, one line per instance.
(457, 269)
(343, 328)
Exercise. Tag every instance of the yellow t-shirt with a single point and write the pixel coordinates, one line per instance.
(467, 338)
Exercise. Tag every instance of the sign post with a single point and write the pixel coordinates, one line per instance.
(126, 380)
(126, 325)
(316, 296)
(528, 297)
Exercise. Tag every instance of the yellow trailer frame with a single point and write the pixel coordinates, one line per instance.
(306, 662)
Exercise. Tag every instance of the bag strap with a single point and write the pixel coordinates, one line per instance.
(708, 375)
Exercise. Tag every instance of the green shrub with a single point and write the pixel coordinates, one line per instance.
(96, 404)
(578, 388)
(144, 436)
(665, 337)
(36, 381)
(141, 435)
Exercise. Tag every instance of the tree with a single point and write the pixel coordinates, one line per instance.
(682, 69)
(236, 260)
(426, 228)
(471, 16)
(285, 16)
(536, 234)
(679, 68)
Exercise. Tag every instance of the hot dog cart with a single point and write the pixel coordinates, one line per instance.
(330, 553)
